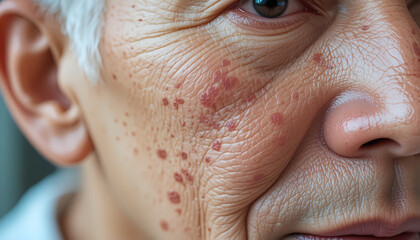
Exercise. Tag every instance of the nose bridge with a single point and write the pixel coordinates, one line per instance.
(382, 51)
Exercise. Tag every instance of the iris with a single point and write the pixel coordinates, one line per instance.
(270, 8)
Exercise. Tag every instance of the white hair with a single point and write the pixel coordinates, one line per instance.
(82, 21)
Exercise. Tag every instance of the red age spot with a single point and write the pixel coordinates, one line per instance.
(133, 6)
(180, 101)
(231, 126)
(365, 27)
(416, 49)
(208, 98)
(164, 225)
(165, 102)
(178, 210)
(161, 153)
(229, 82)
(140, 20)
(178, 177)
(117, 138)
(216, 145)
(184, 155)
(133, 134)
(320, 60)
(174, 197)
(187, 175)
(225, 63)
(277, 119)
(124, 124)
(207, 159)
(178, 85)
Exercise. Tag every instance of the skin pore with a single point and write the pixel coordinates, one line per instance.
(215, 123)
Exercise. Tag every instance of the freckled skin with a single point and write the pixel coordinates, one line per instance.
(252, 118)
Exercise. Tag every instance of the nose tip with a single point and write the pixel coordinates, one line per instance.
(356, 126)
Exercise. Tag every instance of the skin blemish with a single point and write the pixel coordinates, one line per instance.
(216, 145)
(165, 102)
(320, 60)
(225, 63)
(178, 102)
(210, 122)
(117, 138)
(174, 197)
(136, 151)
(187, 175)
(179, 211)
(127, 114)
(229, 82)
(164, 225)
(140, 20)
(162, 153)
(178, 178)
(208, 98)
(365, 27)
(416, 49)
(114, 76)
(184, 155)
(124, 124)
(277, 119)
(221, 81)
(231, 126)
(133, 134)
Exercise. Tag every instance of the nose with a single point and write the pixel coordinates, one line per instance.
(381, 115)
(356, 125)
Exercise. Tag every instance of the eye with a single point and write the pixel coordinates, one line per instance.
(272, 8)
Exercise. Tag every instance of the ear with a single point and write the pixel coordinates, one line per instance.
(31, 45)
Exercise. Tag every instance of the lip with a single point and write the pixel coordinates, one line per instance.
(378, 228)
(369, 230)
(403, 236)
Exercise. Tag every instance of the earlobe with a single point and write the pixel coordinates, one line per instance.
(29, 66)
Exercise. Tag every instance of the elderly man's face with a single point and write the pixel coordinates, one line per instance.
(227, 120)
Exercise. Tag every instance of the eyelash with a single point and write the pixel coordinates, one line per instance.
(267, 26)
(293, 5)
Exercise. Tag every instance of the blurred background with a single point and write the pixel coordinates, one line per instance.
(20, 165)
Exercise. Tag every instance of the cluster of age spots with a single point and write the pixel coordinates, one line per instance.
(182, 177)
(220, 83)
(176, 103)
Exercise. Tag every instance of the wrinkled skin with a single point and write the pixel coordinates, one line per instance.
(216, 124)
(309, 95)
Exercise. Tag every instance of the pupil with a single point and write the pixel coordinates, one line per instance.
(270, 8)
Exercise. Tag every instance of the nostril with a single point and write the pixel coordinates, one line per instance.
(378, 142)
